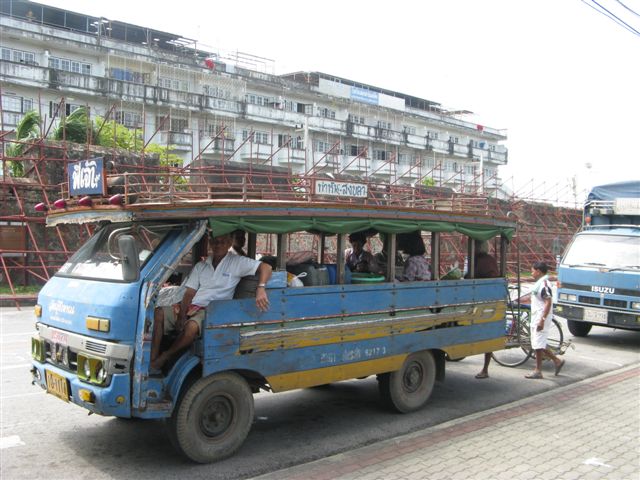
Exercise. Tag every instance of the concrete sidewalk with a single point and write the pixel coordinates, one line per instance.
(587, 430)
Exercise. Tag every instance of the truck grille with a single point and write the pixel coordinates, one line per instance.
(95, 347)
(589, 300)
(615, 303)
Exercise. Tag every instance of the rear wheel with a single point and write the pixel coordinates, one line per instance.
(409, 388)
(579, 329)
(213, 418)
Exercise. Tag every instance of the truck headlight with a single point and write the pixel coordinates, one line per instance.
(635, 305)
(568, 297)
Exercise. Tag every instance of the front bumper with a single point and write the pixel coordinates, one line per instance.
(614, 319)
(111, 400)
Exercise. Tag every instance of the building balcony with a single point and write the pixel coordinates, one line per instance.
(180, 141)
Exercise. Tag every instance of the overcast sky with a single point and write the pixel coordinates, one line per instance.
(562, 79)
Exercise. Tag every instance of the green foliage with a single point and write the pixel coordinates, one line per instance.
(112, 134)
(19, 289)
(75, 127)
(28, 129)
(167, 159)
(429, 182)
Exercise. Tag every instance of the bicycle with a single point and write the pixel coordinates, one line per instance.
(518, 343)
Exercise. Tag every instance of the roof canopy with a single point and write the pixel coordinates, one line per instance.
(333, 225)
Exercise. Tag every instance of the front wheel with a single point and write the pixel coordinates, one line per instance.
(579, 329)
(409, 388)
(213, 418)
(518, 342)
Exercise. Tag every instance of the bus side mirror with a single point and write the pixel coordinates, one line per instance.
(129, 256)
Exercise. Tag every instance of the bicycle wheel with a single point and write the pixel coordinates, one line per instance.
(555, 337)
(518, 348)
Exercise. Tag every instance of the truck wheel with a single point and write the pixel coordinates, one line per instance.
(579, 329)
(213, 418)
(409, 388)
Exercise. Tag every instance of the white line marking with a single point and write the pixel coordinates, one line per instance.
(12, 441)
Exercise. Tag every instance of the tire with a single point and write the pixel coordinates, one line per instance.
(520, 351)
(579, 329)
(213, 418)
(409, 388)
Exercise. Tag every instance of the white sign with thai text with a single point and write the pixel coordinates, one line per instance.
(341, 189)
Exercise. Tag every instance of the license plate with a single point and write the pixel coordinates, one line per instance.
(592, 315)
(57, 385)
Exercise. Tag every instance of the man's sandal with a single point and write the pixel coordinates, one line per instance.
(481, 376)
(534, 376)
(559, 367)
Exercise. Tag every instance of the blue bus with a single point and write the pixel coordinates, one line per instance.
(599, 274)
(95, 316)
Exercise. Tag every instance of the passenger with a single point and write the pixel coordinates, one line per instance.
(357, 258)
(381, 257)
(485, 267)
(416, 266)
(239, 241)
(214, 278)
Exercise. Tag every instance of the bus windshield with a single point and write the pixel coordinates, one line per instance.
(99, 258)
(608, 251)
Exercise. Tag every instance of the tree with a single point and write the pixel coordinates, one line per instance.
(76, 127)
(28, 129)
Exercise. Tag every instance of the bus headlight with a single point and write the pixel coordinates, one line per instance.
(91, 370)
(568, 297)
(37, 349)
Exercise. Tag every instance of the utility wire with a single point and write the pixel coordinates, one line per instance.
(632, 11)
(611, 16)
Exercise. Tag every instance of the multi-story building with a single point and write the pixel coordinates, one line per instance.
(209, 106)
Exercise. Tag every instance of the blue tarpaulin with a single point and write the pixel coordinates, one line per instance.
(612, 191)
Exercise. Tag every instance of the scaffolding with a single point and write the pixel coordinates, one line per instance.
(245, 168)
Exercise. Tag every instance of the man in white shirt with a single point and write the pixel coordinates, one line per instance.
(541, 315)
(214, 278)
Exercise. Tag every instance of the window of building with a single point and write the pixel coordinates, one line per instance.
(216, 91)
(173, 84)
(128, 75)
(258, 137)
(357, 150)
(11, 103)
(356, 119)
(411, 130)
(379, 154)
(69, 65)
(129, 119)
(257, 99)
(19, 56)
(432, 135)
(69, 108)
(453, 139)
(384, 124)
(296, 143)
(326, 113)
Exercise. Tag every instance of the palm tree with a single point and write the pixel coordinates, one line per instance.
(75, 126)
(28, 129)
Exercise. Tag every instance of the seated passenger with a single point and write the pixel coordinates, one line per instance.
(214, 278)
(485, 264)
(239, 241)
(381, 258)
(416, 267)
(358, 259)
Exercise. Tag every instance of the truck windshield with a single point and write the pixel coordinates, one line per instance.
(99, 258)
(609, 251)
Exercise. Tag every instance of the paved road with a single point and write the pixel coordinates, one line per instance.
(43, 437)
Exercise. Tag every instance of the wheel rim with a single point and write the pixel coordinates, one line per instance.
(413, 377)
(217, 416)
